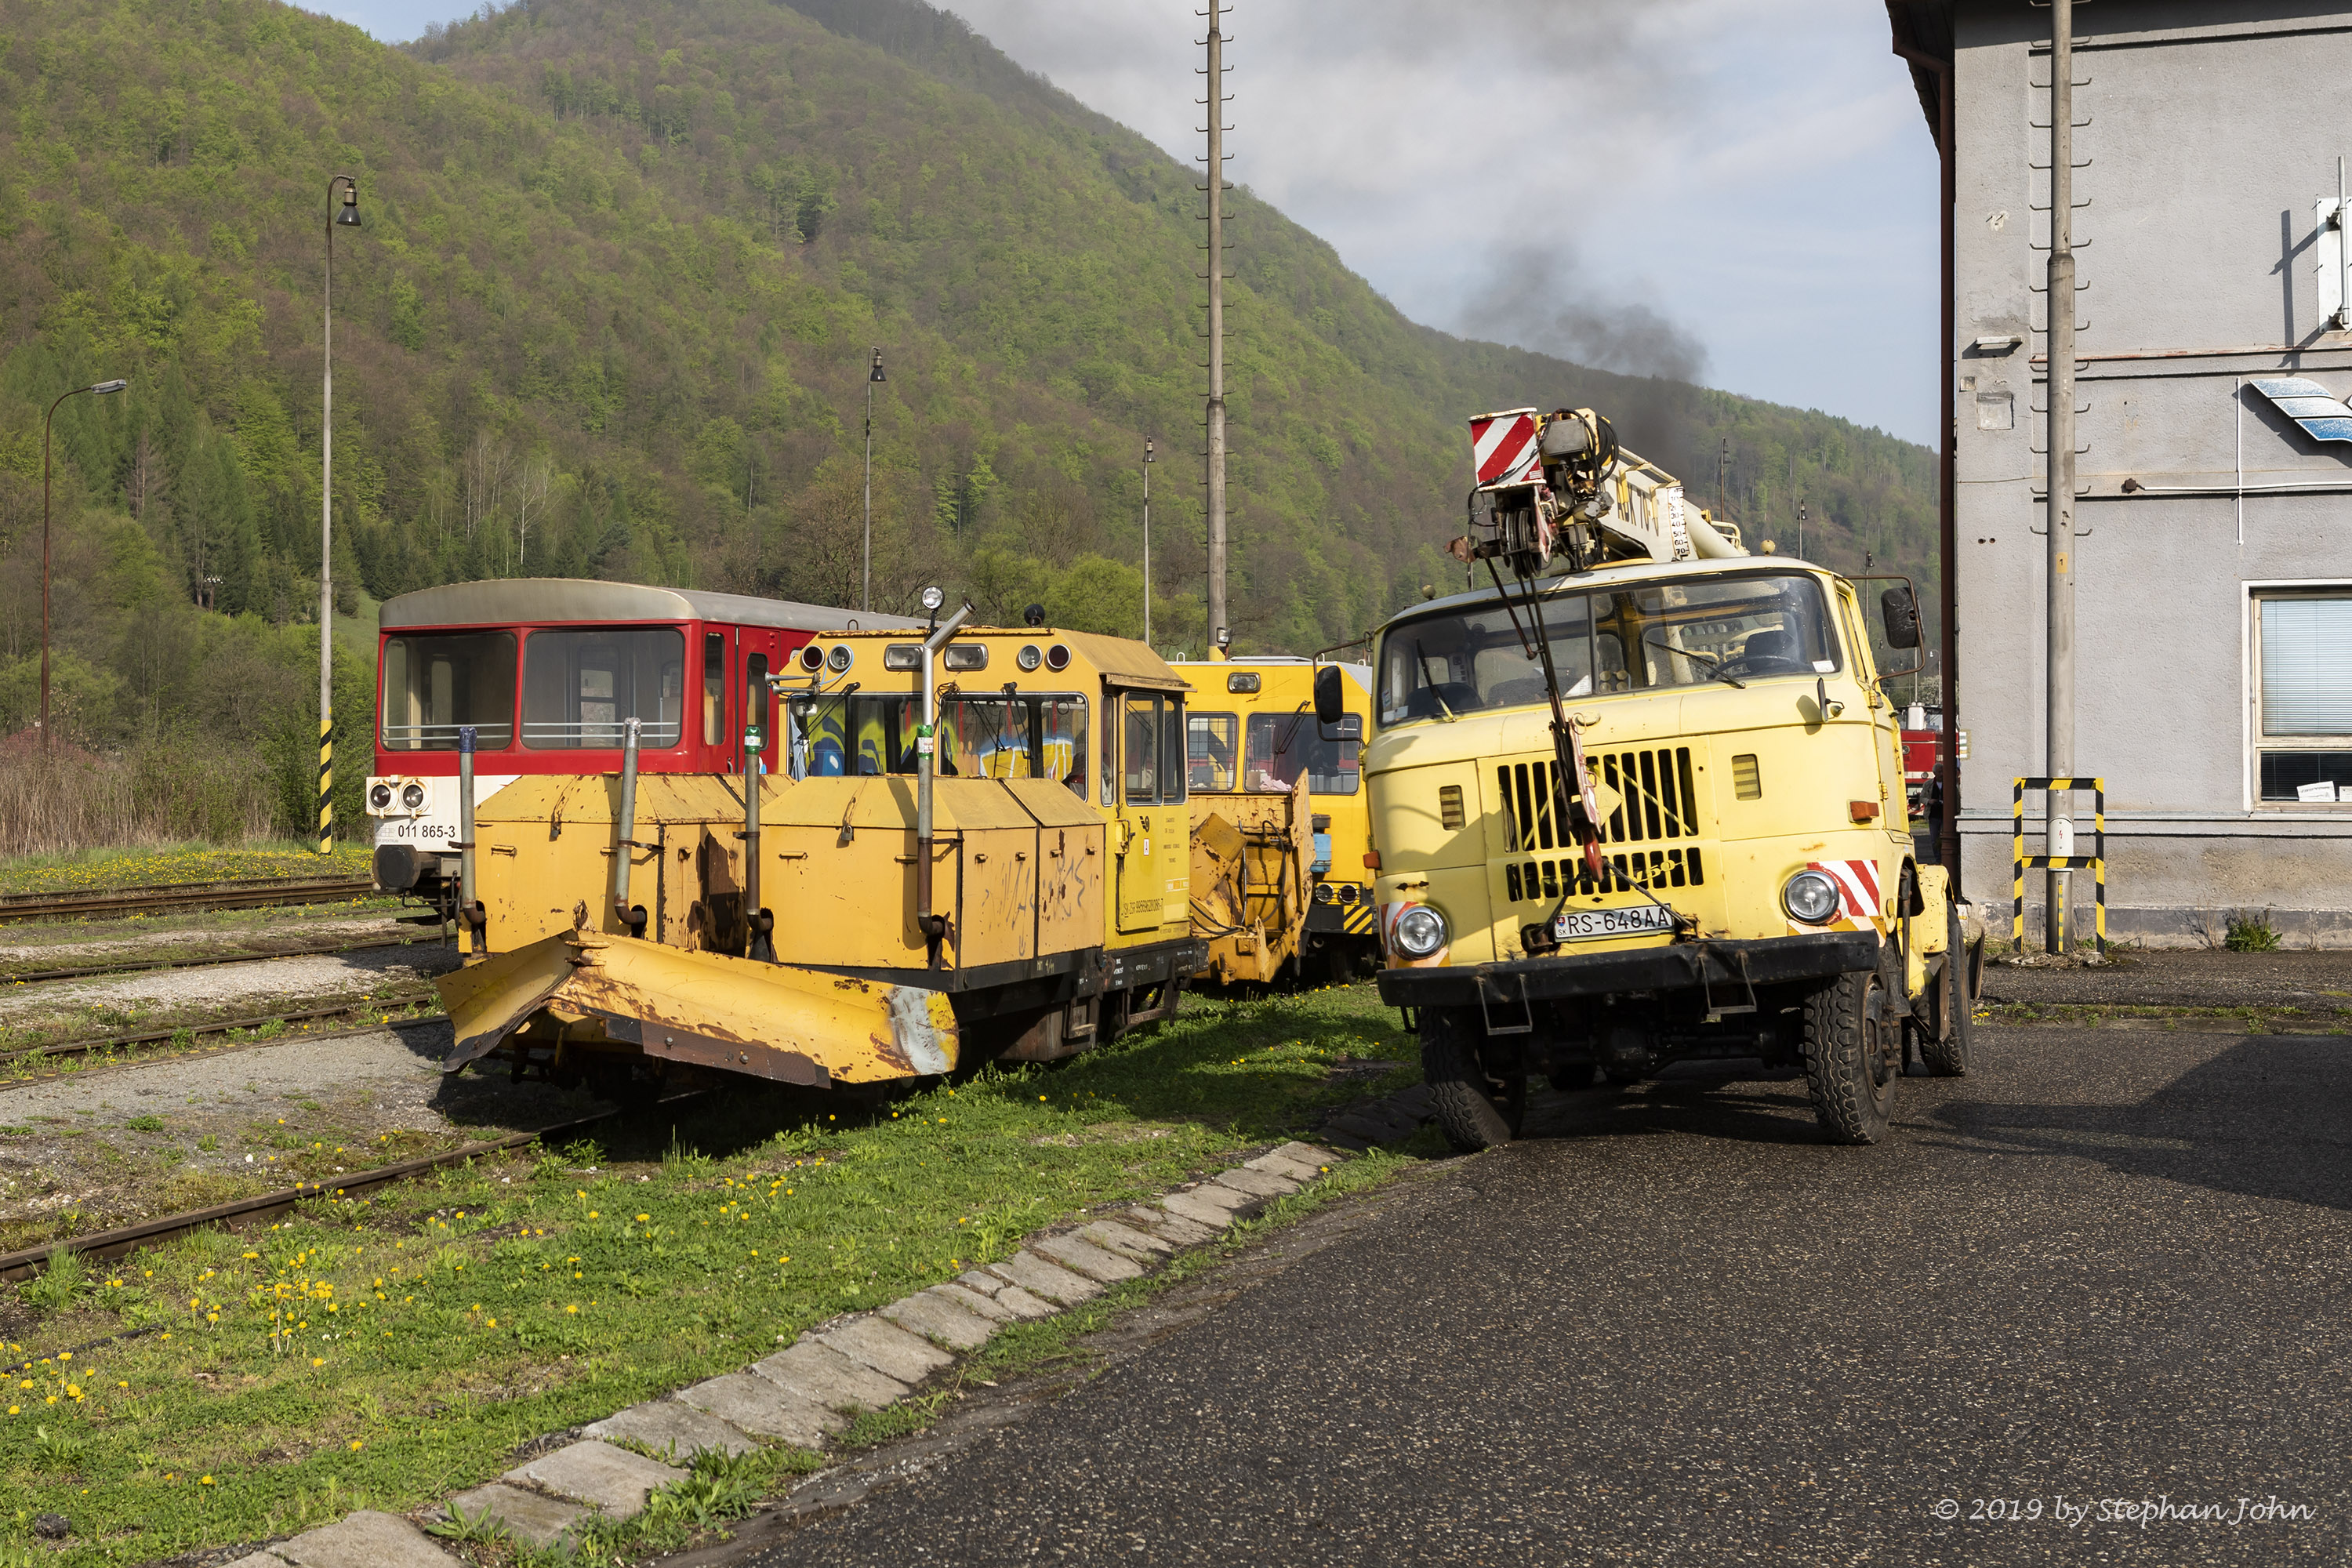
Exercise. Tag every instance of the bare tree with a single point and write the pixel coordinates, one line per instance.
(533, 483)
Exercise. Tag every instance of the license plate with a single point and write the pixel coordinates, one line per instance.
(1583, 925)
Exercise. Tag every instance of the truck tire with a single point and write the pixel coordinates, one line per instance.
(1473, 1111)
(1948, 1057)
(1852, 1060)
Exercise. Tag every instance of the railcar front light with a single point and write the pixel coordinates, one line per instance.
(1811, 897)
(903, 656)
(811, 658)
(839, 658)
(1029, 657)
(413, 796)
(380, 797)
(1420, 932)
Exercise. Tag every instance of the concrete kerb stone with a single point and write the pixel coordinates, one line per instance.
(527, 1516)
(665, 1424)
(1084, 1257)
(796, 1395)
(822, 1375)
(1040, 1277)
(761, 1408)
(599, 1475)
(886, 1348)
(364, 1539)
(939, 1318)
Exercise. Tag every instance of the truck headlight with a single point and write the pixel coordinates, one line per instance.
(1812, 897)
(380, 797)
(1420, 932)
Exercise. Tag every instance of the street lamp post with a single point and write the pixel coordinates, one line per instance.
(101, 389)
(345, 217)
(1147, 541)
(865, 600)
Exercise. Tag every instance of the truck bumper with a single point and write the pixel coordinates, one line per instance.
(1713, 966)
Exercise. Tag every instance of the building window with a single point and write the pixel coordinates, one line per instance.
(2303, 704)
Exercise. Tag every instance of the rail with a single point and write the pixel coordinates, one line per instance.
(257, 892)
(116, 1243)
(209, 961)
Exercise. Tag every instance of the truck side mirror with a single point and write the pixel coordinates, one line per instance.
(1901, 614)
(1331, 701)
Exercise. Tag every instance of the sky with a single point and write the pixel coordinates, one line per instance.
(1743, 194)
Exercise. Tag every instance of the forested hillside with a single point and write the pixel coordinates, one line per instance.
(609, 314)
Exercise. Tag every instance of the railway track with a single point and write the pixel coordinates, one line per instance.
(245, 893)
(100, 1044)
(210, 961)
(107, 1245)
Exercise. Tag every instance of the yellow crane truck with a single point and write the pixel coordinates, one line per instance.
(1643, 802)
(1281, 890)
(978, 847)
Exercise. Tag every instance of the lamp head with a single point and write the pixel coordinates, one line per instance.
(103, 387)
(931, 599)
(348, 215)
(1033, 615)
(876, 373)
(1147, 449)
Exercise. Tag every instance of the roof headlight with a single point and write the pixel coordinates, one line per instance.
(1420, 932)
(1811, 897)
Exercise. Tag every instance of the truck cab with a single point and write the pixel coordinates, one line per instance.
(1701, 849)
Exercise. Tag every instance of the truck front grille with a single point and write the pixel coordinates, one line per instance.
(1657, 804)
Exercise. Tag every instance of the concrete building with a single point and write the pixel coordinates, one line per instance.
(2214, 559)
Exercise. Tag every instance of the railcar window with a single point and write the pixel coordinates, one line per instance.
(1211, 741)
(580, 687)
(714, 688)
(1283, 746)
(434, 684)
(1026, 736)
(1171, 749)
(1139, 753)
(1643, 636)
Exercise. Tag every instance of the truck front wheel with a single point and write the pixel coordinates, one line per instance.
(1476, 1110)
(1853, 1053)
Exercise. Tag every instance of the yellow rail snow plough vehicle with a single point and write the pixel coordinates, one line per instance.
(1640, 800)
(1280, 831)
(979, 849)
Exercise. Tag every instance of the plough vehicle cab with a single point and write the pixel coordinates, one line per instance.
(976, 847)
(1639, 800)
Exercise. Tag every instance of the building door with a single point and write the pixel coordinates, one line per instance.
(1151, 828)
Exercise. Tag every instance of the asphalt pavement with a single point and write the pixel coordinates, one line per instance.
(2108, 1272)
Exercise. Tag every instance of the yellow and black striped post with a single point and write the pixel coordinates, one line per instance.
(326, 784)
(2020, 862)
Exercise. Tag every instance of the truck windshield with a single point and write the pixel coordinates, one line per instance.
(437, 682)
(1021, 736)
(579, 687)
(1283, 746)
(1609, 640)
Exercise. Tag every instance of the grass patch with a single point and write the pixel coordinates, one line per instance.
(400, 1347)
(102, 871)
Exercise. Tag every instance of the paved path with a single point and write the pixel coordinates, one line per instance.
(1672, 1327)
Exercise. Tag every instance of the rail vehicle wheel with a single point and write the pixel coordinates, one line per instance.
(1853, 1054)
(1475, 1109)
(1948, 1057)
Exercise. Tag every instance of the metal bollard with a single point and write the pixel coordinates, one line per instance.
(624, 826)
(469, 905)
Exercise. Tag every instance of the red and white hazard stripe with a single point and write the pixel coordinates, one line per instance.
(1503, 446)
(1857, 883)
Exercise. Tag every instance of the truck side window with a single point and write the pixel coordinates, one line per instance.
(1140, 759)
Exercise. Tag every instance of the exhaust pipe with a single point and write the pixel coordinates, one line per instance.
(624, 826)
(934, 927)
(757, 921)
(469, 906)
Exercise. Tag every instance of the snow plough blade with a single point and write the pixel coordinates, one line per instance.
(584, 989)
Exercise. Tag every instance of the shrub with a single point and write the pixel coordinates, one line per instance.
(2251, 933)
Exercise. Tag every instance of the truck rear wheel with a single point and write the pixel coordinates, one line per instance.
(1476, 1110)
(1948, 1057)
(1853, 1054)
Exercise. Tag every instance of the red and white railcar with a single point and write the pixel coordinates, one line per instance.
(546, 671)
